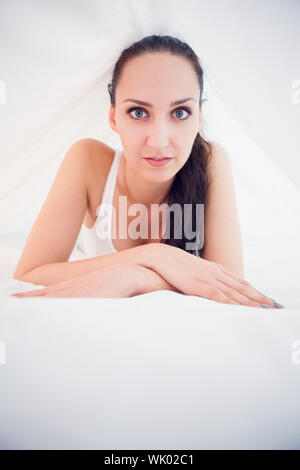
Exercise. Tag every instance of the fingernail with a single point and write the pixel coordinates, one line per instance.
(266, 306)
(276, 304)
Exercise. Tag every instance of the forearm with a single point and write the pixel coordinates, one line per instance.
(52, 273)
(176, 267)
(150, 281)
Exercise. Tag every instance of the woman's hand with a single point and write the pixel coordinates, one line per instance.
(151, 281)
(196, 276)
(118, 280)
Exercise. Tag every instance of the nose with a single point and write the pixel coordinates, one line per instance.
(158, 134)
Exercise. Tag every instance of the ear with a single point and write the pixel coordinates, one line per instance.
(111, 118)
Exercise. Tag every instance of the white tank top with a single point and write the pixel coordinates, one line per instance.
(97, 240)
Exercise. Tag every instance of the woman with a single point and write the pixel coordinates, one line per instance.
(156, 108)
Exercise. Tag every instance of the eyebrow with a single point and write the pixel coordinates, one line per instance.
(144, 103)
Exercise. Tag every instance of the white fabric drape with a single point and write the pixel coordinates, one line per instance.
(159, 370)
(56, 67)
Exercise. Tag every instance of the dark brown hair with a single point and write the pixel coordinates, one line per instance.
(191, 181)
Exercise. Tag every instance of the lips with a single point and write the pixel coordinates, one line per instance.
(157, 161)
(158, 158)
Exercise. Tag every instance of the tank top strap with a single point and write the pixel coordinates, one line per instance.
(110, 183)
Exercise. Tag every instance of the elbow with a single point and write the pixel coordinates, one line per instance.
(19, 276)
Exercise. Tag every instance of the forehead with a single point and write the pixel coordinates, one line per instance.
(158, 76)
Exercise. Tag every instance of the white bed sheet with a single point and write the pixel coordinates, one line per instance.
(156, 371)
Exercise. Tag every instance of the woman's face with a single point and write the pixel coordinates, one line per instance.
(159, 128)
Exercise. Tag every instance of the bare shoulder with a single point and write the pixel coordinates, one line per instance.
(218, 153)
(218, 164)
(92, 150)
(98, 159)
(219, 150)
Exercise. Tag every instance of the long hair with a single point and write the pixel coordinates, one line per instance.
(191, 181)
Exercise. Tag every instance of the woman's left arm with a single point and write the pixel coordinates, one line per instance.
(222, 232)
(150, 281)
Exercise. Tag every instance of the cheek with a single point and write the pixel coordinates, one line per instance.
(130, 132)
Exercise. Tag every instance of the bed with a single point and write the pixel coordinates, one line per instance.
(157, 371)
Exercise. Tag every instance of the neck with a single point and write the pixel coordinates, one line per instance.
(140, 191)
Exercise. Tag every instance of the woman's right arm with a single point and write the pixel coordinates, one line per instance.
(44, 260)
(52, 273)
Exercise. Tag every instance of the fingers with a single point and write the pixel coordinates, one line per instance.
(45, 293)
(31, 293)
(229, 291)
(211, 292)
(234, 294)
(216, 293)
(242, 288)
(53, 290)
(244, 294)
